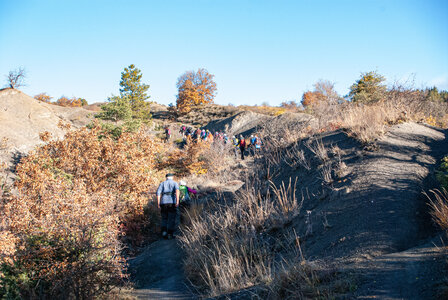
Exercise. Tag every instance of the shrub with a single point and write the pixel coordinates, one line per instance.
(189, 160)
(43, 97)
(78, 197)
(442, 173)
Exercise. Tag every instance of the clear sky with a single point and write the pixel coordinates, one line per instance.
(259, 51)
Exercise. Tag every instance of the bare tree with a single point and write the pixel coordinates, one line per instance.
(16, 78)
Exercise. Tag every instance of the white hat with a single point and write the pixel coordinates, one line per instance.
(182, 182)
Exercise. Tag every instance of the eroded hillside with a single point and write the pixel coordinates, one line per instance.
(23, 118)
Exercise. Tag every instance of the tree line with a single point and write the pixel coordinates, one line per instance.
(198, 87)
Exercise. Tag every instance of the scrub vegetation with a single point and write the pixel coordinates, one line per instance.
(80, 206)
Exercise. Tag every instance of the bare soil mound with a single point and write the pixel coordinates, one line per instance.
(247, 122)
(22, 118)
(371, 213)
(200, 115)
(96, 107)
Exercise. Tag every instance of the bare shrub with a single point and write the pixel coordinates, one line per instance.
(295, 157)
(325, 173)
(318, 148)
(219, 157)
(16, 78)
(328, 114)
(336, 151)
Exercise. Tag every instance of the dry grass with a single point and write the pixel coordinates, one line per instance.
(229, 248)
(303, 279)
(368, 122)
(439, 208)
(318, 148)
(295, 157)
(438, 204)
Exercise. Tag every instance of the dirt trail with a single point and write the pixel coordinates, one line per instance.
(410, 274)
(158, 272)
(402, 260)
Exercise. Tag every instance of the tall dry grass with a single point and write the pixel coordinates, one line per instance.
(367, 122)
(438, 204)
(229, 247)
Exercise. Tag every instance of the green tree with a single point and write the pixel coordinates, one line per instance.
(434, 95)
(118, 109)
(83, 101)
(134, 91)
(130, 108)
(368, 88)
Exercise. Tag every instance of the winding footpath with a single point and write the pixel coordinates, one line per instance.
(158, 272)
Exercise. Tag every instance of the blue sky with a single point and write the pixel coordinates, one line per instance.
(259, 51)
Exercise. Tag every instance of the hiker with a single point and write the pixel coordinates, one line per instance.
(167, 134)
(168, 201)
(209, 137)
(258, 144)
(185, 198)
(183, 130)
(252, 145)
(242, 145)
(235, 144)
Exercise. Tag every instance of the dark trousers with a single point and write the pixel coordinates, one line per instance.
(168, 212)
(242, 153)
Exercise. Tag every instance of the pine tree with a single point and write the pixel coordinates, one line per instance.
(368, 88)
(133, 91)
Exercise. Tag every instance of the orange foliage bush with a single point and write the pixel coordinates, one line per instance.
(310, 99)
(43, 97)
(195, 88)
(61, 235)
(70, 102)
(190, 160)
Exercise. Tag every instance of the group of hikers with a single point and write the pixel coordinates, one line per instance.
(252, 146)
(173, 198)
(197, 135)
